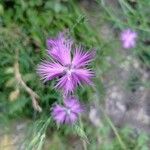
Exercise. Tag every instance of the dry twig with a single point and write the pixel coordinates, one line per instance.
(20, 81)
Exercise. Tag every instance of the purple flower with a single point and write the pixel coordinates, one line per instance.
(71, 68)
(128, 38)
(68, 113)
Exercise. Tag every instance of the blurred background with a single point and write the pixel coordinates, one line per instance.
(117, 115)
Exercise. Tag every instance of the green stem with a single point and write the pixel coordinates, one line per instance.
(114, 130)
(83, 141)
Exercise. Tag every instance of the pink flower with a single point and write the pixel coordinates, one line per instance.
(128, 38)
(68, 113)
(70, 68)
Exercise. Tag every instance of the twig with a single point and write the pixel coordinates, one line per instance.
(20, 81)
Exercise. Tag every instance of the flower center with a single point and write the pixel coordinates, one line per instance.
(68, 111)
(69, 70)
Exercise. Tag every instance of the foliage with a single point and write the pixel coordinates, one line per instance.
(24, 27)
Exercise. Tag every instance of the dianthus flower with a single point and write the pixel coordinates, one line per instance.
(128, 38)
(70, 67)
(67, 114)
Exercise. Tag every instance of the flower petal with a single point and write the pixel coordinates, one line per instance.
(60, 118)
(81, 58)
(49, 70)
(74, 105)
(72, 118)
(66, 83)
(60, 49)
(59, 114)
(83, 75)
(57, 109)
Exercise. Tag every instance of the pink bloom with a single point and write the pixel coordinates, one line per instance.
(70, 68)
(68, 113)
(128, 38)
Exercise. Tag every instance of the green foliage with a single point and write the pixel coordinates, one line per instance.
(37, 138)
(25, 26)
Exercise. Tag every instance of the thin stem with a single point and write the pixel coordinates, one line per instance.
(114, 130)
(83, 141)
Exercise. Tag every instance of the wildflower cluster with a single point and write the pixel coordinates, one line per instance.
(69, 65)
(70, 69)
